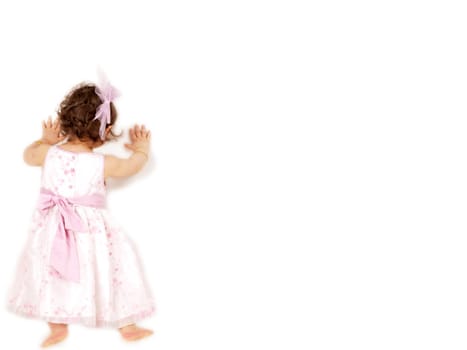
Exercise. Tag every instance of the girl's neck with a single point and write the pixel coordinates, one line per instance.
(77, 146)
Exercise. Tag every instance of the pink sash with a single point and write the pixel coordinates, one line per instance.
(64, 255)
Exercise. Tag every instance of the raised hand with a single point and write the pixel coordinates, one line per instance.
(51, 131)
(140, 139)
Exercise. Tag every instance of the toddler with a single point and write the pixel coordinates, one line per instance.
(78, 267)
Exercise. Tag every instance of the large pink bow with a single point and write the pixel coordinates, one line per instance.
(64, 255)
(107, 93)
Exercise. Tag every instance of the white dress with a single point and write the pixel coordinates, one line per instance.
(111, 290)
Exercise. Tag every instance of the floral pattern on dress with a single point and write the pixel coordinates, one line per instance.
(112, 291)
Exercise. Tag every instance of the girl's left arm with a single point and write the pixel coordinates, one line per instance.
(35, 153)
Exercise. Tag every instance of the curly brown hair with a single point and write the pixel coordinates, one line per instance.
(77, 111)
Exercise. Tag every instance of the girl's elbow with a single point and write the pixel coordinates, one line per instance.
(27, 158)
(30, 159)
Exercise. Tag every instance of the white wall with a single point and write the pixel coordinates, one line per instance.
(307, 188)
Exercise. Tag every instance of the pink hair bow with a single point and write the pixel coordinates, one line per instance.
(107, 93)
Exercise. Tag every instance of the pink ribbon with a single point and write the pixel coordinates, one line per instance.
(64, 254)
(107, 93)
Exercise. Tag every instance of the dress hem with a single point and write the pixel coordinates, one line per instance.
(88, 321)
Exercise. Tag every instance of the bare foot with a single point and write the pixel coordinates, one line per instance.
(133, 332)
(58, 333)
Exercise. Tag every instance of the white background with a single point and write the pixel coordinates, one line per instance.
(307, 187)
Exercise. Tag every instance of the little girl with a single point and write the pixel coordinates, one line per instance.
(78, 266)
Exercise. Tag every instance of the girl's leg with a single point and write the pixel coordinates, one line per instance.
(58, 333)
(133, 332)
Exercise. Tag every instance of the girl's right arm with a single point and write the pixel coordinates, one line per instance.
(140, 139)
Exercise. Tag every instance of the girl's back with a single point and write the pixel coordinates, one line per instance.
(73, 174)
